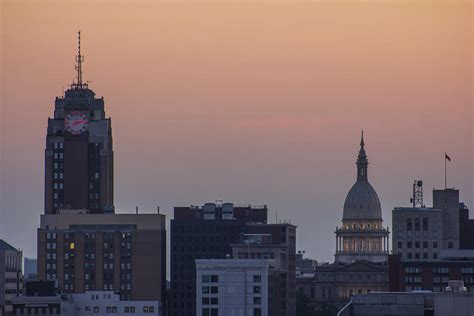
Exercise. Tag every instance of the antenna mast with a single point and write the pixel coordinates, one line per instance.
(79, 60)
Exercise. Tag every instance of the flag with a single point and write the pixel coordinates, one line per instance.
(447, 157)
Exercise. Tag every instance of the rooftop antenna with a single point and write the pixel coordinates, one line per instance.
(79, 60)
(417, 198)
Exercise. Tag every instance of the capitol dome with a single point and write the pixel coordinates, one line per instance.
(362, 202)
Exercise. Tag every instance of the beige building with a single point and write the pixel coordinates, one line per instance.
(112, 252)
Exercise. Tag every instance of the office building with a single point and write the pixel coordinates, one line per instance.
(10, 276)
(235, 287)
(421, 233)
(79, 154)
(112, 252)
(204, 232)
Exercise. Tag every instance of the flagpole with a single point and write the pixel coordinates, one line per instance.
(445, 172)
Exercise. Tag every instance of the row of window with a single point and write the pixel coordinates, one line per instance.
(417, 224)
(114, 309)
(418, 255)
(417, 244)
(215, 312)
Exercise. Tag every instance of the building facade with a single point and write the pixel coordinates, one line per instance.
(421, 233)
(234, 287)
(205, 232)
(113, 252)
(10, 276)
(79, 154)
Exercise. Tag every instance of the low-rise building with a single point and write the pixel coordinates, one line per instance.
(235, 287)
(454, 302)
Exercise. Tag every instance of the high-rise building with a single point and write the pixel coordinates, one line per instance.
(82, 244)
(10, 276)
(205, 232)
(79, 154)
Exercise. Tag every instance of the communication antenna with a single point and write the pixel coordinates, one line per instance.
(79, 59)
(417, 198)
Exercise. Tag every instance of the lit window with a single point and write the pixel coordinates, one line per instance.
(72, 245)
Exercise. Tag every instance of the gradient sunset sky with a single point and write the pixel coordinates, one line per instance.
(246, 102)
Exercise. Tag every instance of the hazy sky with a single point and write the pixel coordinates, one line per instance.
(245, 102)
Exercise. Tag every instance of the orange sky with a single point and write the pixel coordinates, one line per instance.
(245, 102)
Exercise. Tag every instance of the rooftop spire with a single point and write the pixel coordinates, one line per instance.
(362, 160)
(79, 59)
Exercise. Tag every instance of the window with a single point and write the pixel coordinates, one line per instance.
(417, 255)
(409, 225)
(257, 300)
(205, 289)
(400, 244)
(425, 255)
(417, 224)
(96, 309)
(205, 312)
(425, 224)
(450, 244)
(214, 278)
(435, 256)
(256, 290)
(257, 278)
(214, 301)
(145, 309)
(425, 244)
(257, 312)
(409, 244)
(409, 255)
(435, 244)
(417, 244)
(214, 289)
(205, 301)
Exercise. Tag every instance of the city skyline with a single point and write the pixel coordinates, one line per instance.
(234, 129)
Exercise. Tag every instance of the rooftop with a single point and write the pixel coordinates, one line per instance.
(6, 246)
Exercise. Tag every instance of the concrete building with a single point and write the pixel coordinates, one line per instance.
(276, 242)
(30, 267)
(10, 276)
(79, 154)
(41, 298)
(304, 265)
(421, 233)
(235, 287)
(102, 303)
(455, 302)
(114, 252)
(204, 232)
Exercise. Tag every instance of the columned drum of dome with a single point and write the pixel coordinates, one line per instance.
(362, 237)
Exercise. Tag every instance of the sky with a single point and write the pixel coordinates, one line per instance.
(257, 102)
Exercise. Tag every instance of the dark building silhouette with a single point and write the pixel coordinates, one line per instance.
(205, 232)
(79, 154)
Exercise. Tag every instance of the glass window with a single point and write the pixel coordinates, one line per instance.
(257, 278)
(435, 244)
(214, 278)
(417, 224)
(256, 290)
(205, 301)
(257, 300)
(205, 278)
(409, 224)
(257, 312)
(214, 289)
(214, 301)
(205, 312)
(205, 289)
(425, 224)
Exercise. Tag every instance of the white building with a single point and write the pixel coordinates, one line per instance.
(108, 302)
(233, 287)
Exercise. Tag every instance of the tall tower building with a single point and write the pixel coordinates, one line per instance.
(362, 236)
(79, 154)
